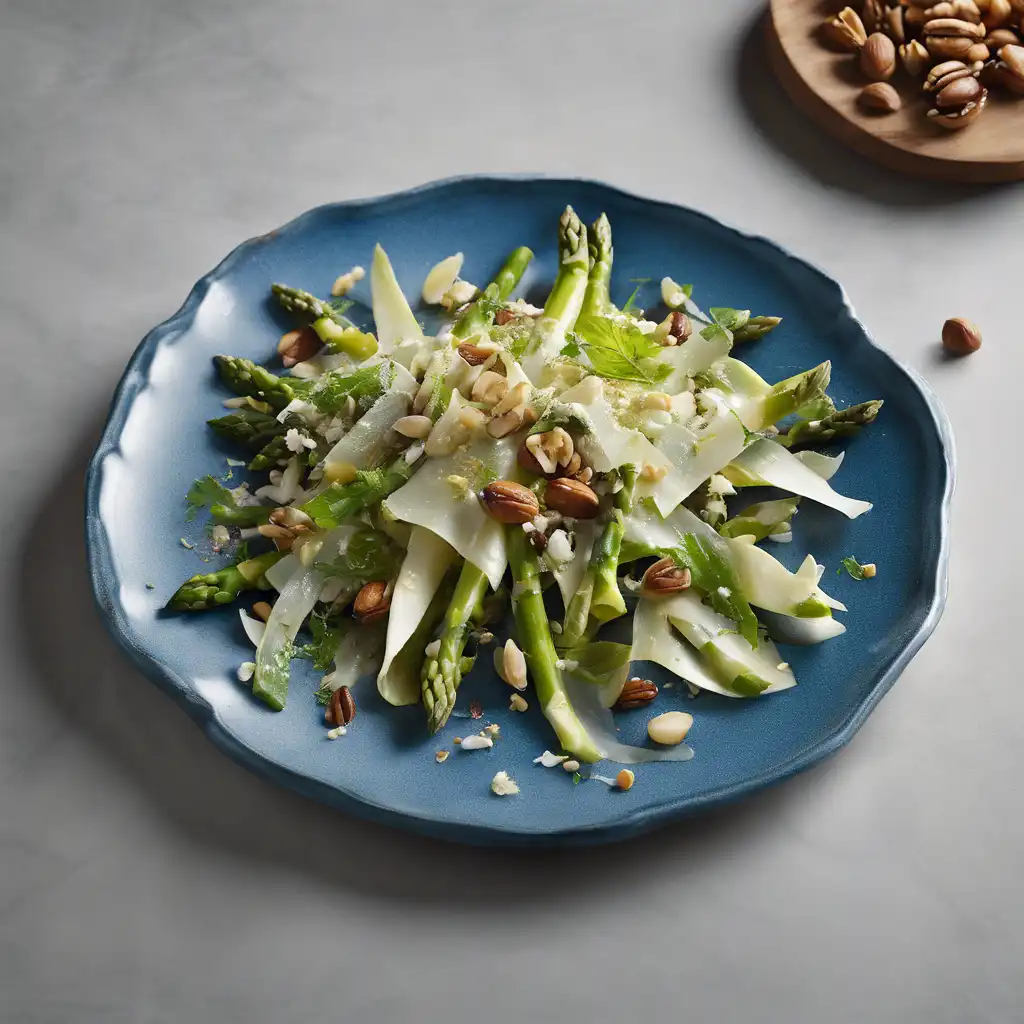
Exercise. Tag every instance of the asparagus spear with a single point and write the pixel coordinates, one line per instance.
(790, 395)
(599, 597)
(241, 515)
(276, 451)
(248, 426)
(597, 300)
(441, 675)
(212, 589)
(565, 299)
(755, 327)
(481, 312)
(536, 643)
(333, 328)
(245, 377)
(841, 423)
(340, 502)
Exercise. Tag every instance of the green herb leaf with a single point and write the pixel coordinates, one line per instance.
(364, 386)
(572, 349)
(620, 352)
(323, 694)
(326, 633)
(853, 567)
(729, 318)
(370, 555)
(204, 492)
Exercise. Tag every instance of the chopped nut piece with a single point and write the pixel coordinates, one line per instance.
(516, 703)
(669, 729)
(571, 766)
(625, 779)
(346, 282)
(416, 427)
(441, 756)
(870, 570)
(513, 665)
(477, 743)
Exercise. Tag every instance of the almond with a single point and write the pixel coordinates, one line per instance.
(878, 57)
(881, 97)
(298, 346)
(509, 502)
(372, 602)
(572, 498)
(473, 354)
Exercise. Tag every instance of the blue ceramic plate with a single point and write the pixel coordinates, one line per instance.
(155, 444)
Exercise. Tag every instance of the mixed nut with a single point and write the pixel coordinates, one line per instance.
(958, 50)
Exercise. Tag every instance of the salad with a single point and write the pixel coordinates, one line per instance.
(574, 463)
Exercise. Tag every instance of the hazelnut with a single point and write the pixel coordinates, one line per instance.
(960, 337)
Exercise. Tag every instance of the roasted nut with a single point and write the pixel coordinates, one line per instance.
(914, 18)
(513, 398)
(880, 97)
(665, 578)
(872, 14)
(916, 58)
(507, 423)
(372, 602)
(958, 93)
(262, 610)
(282, 536)
(625, 779)
(949, 47)
(953, 28)
(474, 354)
(979, 52)
(670, 729)
(1013, 57)
(636, 693)
(998, 14)
(845, 31)
(573, 466)
(957, 118)
(342, 707)
(298, 346)
(572, 498)
(1006, 74)
(489, 388)
(1000, 37)
(942, 74)
(503, 316)
(878, 57)
(552, 449)
(509, 502)
(513, 665)
(960, 337)
(416, 427)
(680, 327)
(528, 461)
(894, 25)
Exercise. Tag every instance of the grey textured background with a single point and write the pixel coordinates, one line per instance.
(145, 878)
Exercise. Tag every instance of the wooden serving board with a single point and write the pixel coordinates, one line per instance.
(825, 85)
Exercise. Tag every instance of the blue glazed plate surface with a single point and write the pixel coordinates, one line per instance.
(156, 443)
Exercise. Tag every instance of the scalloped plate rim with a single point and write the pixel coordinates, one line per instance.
(100, 564)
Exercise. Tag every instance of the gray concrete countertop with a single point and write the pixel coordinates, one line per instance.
(146, 879)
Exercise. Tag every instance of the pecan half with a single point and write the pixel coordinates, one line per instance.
(509, 502)
(636, 693)
(342, 707)
(665, 577)
(372, 602)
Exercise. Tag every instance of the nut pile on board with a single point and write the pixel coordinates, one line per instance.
(956, 51)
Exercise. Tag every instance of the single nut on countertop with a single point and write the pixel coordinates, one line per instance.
(636, 693)
(665, 578)
(572, 498)
(960, 337)
(880, 98)
(957, 117)
(915, 57)
(509, 502)
(845, 31)
(878, 57)
(342, 707)
(670, 729)
(372, 602)
(474, 354)
(298, 346)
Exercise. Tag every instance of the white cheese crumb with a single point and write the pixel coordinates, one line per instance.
(504, 785)
(477, 743)
(246, 671)
(523, 308)
(413, 452)
(333, 734)
(549, 760)
(432, 649)
(296, 441)
(559, 546)
(724, 592)
(219, 536)
(672, 294)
